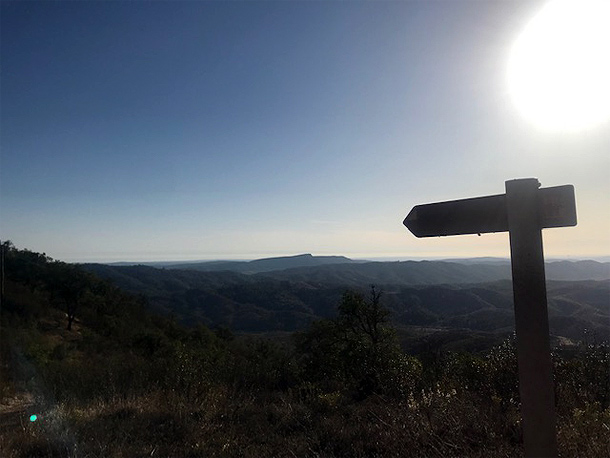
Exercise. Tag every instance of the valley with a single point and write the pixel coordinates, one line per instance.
(463, 297)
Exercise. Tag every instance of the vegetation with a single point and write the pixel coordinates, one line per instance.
(418, 294)
(106, 377)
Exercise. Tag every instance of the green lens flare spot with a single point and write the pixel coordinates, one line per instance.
(33, 418)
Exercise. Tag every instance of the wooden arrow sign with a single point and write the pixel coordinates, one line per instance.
(479, 215)
(523, 211)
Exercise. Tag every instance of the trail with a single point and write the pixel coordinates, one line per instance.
(15, 411)
(14, 416)
(18, 435)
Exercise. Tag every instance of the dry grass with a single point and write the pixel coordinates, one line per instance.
(245, 425)
(229, 423)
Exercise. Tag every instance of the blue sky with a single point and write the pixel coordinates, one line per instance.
(206, 130)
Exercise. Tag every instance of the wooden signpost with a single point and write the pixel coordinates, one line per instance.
(523, 211)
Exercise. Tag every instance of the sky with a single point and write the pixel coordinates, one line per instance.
(141, 131)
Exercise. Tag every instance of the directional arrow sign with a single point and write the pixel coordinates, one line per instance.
(556, 208)
(523, 211)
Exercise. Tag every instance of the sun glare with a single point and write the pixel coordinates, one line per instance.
(559, 67)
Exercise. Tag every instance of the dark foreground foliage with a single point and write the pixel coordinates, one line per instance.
(125, 383)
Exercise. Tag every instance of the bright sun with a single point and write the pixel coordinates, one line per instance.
(559, 67)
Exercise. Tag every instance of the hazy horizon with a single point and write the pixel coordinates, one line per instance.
(354, 258)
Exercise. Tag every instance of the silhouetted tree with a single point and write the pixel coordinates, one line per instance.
(69, 285)
(366, 318)
(358, 348)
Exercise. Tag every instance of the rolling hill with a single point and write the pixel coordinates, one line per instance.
(266, 264)
(431, 294)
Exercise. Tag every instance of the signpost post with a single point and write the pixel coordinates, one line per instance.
(523, 211)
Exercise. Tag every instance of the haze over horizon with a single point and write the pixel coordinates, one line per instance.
(155, 131)
(477, 259)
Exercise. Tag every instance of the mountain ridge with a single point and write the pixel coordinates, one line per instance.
(337, 267)
(266, 264)
(429, 293)
(434, 272)
(249, 266)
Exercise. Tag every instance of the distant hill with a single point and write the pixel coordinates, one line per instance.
(347, 274)
(150, 280)
(395, 273)
(346, 271)
(249, 267)
(479, 260)
(431, 294)
(577, 270)
(265, 265)
(434, 272)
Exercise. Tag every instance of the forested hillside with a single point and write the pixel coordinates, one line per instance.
(419, 294)
(435, 272)
(89, 371)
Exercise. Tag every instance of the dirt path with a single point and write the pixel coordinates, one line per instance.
(15, 411)
(14, 416)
